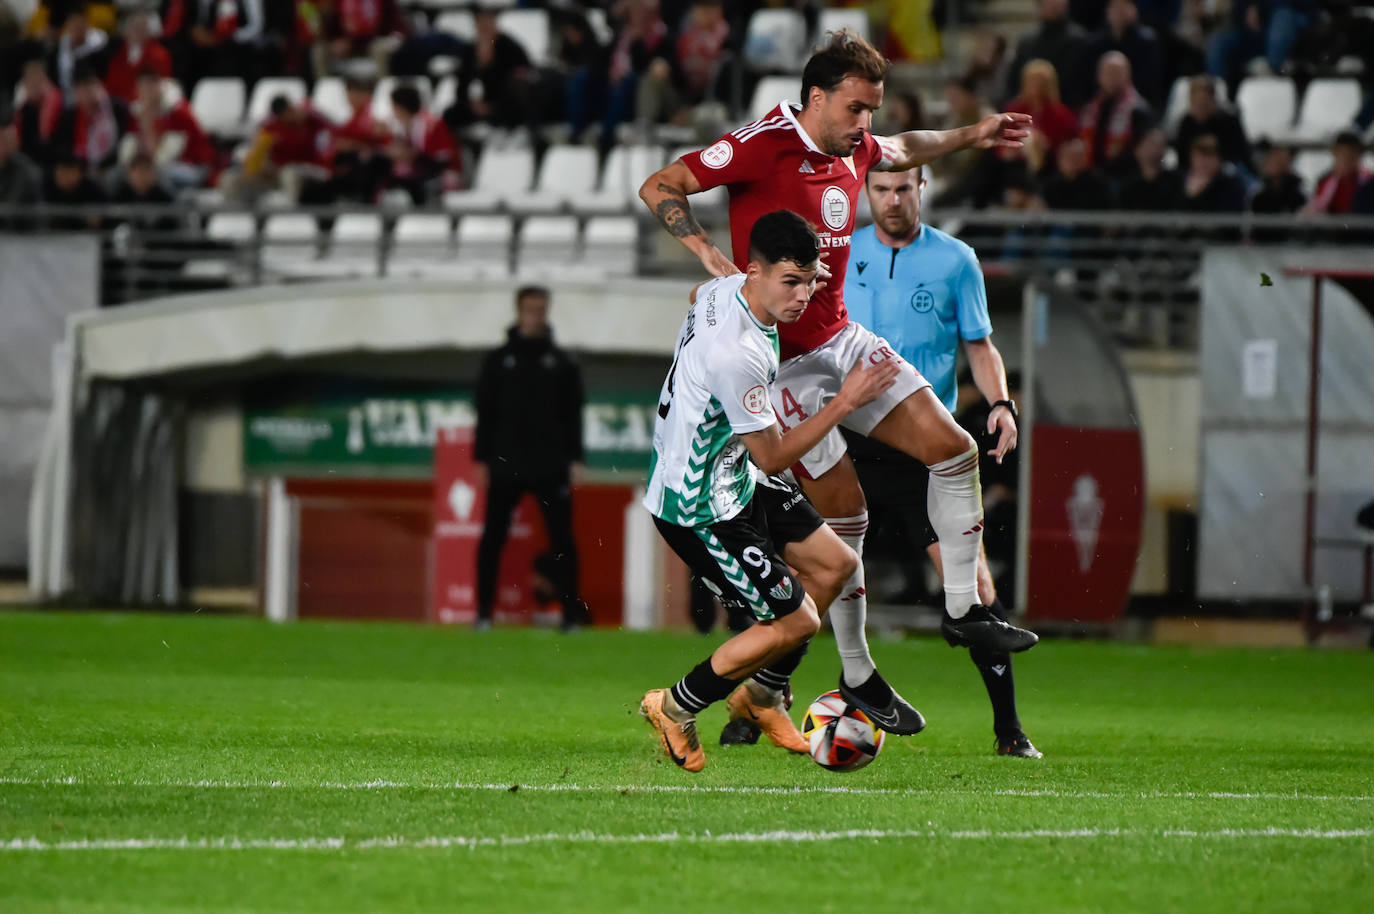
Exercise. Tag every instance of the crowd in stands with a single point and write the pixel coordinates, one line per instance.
(102, 97)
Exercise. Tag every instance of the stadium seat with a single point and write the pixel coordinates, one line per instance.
(626, 168)
(1177, 106)
(566, 172)
(770, 91)
(775, 41)
(289, 245)
(171, 92)
(600, 26)
(501, 175)
(1311, 165)
(484, 244)
(445, 94)
(1328, 107)
(421, 240)
(1266, 105)
(548, 241)
(268, 88)
(610, 244)
(354, 246)
(530, 28)
(331, 99)
(231, 227)
(832, 20)
(381, 99)
(218, 103)
(457, 23)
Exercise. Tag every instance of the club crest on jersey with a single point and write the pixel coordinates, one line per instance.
(756, 399)
(717, 155)
(835, 207)
(781, 590)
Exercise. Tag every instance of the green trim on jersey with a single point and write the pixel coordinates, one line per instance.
(691, 504)
(735, 574)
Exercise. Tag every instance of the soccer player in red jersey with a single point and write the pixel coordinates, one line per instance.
(813, 159)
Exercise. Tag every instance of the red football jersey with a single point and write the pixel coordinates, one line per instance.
(772, 164)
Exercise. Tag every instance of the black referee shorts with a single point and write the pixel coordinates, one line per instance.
(894, 485)
(740, 559)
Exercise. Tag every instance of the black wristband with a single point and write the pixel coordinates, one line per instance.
(1010, 405)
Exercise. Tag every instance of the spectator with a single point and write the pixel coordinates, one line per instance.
(701, 46)
(1115, 117)
(1151, 187)
(140, 187)
(20, 179)
(1207, 187)
(358, 159)
(213, 37)
(1259, 28)
(1336, 189)
(903, 111)
(138, 52)
(423, 154)
(69, 185)
(38, 116)
(583, 62)
(967, 174)
(1122, 31)
(657, 99)
(289, 149)
(77, 43)
(1280, 191)
(494, 79)
(349, 29)
(171, 135)
(1075, 185)
(643, 36)
(1205, 115)
(1053, 122)
(1018, 195)
(529, 439)
(1057, 40)
(94, 124)
(988, 64)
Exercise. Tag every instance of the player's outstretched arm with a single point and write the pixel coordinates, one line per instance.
(917, 147)
(665, 193)
(773, 451)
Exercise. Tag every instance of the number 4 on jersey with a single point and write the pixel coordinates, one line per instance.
(790, 406)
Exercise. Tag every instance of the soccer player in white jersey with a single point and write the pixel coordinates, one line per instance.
(813, 158)
(716, 440)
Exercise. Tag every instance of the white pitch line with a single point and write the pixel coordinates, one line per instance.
(672, 788)
(473, 842)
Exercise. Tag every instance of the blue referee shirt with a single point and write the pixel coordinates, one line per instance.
(921, 298)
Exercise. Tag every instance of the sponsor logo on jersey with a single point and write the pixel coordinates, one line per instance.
(806, 168)
(781, 590)
(834, 206)
(834, 241)
(717, 155)
(756, 399)
(922, 301)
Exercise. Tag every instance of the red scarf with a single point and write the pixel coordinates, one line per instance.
(360, 18)
(1118, 128)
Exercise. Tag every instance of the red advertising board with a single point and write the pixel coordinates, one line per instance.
(1087, 506)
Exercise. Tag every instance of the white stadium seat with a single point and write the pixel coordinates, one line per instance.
(484, 244)
(1311, 165)
(1177, 105)
(565, 173)
(422, 247)
(856, 20)
(1267, 105)
(353, 249)
(1328, 107)
(775, 41)
(501, 176)
(171, 92)
(457, 23)
(445, 94)
(331, 99)
(381, 99)
(268, 88)
(770, 91)
(625, 170)
(529, 28)
(218, 104)
(289, 245)
(231, 227)
(609, 244)
(548, 241)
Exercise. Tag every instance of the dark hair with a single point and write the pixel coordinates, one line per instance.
(967, 83)
(1349, 138)
(69, 160)
(142, 160)
(360, 84)
(149, 73)
(843, 54)
(919, 169)
(280, 105)
(84, 73)
(407, 98)
(783, 235)
(525, 292)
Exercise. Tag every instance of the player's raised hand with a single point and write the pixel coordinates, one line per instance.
(1008, 130)
(863, 385)
(1003, 423)
(716, 263)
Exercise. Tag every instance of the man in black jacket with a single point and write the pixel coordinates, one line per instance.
(529, 439)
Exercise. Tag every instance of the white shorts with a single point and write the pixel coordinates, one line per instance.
(807, 382)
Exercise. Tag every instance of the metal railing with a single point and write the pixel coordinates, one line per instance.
(1138, 272)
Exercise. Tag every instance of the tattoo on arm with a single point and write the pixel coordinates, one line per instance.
(677, 218)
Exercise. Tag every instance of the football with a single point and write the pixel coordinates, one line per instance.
(842, 737)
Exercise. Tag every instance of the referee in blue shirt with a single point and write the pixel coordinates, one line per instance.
(923, 291)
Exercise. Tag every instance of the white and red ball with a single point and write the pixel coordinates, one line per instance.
(842, 737)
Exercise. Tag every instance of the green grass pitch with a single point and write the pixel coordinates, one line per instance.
(174, 763)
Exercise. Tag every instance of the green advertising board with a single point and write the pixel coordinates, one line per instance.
(379, 432)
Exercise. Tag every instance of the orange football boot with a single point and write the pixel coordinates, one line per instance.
(680, 741)
(771, 719)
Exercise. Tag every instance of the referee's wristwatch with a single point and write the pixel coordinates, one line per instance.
(1011, 407)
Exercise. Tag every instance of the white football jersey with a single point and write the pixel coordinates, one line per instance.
(717, 390)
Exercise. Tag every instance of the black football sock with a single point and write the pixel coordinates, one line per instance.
(777, 674)
(702, 687)
(995, 669)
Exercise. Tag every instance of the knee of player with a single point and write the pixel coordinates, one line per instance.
(806, 622)
(846, 563)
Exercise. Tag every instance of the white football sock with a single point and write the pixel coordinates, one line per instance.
(954, 501)
(850, 609)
